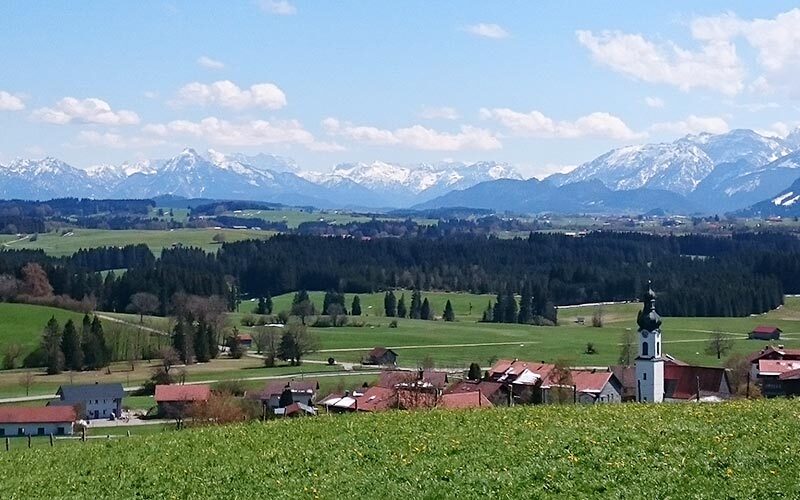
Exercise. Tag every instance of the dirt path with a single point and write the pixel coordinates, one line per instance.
(9, 243)
(135, 325)
(430, 346)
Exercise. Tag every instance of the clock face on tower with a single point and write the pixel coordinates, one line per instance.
(645, 333)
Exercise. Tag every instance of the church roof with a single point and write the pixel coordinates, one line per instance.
(649, 319)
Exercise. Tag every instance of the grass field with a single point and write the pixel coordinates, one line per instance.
(57, 245)
(606, 451)
(294, 218)
(23, 324)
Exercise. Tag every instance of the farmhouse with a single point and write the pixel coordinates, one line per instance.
(370, 400)
(773, 374)
(596, 386)
(762, 332)
(381, 356)
(684, 382)
(527, 381)
(303, 391)
(177, 399)
(41, 421)
(92, 400)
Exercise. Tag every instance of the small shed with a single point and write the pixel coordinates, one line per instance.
(763, 332)
(177, 399)
(381, 356)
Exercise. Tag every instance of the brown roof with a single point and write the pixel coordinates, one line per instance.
(487, 388)
(178, 393)
(681, 381)
(393, 378)
(464, 400)
(771, 352)
(36, 415)
(378, 352)
(766, 329)
(376, 399)
(627, 376)
(790, 375)
(522, 372)
(590, 381)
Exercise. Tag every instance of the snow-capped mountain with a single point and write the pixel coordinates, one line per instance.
(678, 167)
(44, 179)
(722, 170)
(407, 183)
(784, 204)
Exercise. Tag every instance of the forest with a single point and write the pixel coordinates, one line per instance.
(694, 275)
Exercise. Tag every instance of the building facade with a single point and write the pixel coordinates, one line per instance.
(649, 361)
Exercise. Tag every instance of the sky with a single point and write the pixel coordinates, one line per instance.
(542, 85)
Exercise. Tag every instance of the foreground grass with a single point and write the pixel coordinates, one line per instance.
(733, 450)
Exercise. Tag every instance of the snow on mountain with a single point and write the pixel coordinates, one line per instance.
(45, 178)
(261, 161)
(739, 144)
(786, 203)
(678, 167)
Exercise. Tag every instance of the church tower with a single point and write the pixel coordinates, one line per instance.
(649, 363)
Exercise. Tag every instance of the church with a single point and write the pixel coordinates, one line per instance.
(658, 377)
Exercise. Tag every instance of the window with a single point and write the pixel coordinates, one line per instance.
(40, 431)
(21, 431)
(60, 431)
(644, 376)
(2, 431)
(645, 349)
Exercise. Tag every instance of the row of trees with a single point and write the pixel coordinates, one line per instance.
(420, 308)
(66, 348)
(532, 308)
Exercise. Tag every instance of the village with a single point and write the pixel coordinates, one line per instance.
(656, 377)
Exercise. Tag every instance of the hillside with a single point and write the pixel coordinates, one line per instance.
(621, 451)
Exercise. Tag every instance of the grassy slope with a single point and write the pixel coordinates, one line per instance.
(23, 324)
(57, 245)
(616, 451)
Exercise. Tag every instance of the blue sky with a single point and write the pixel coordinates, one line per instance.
(542, 85)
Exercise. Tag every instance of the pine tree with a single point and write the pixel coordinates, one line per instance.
(182, 342)
(526, 306)
(201, 343)
(499, 308)
(488, 313)
(425, 311)
(71, 346)
(402, 312)
(510, 307)
(355, 308)
(390, 304)
(448, 314)
(51, 345)
(268, 304)
(474, 372)
(261, 308)
(416, 305)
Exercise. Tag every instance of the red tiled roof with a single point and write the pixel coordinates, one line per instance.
(766, 329)
(590, 381)
(488, 389)
(776, 366)
(244, 336)
(680, 382)
(178, 393)
(528, 372)
(36, 415)
(375, 399)
(464, 400)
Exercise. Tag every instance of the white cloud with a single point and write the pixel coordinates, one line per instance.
(415, 136)
(654, 102)
(248, 133)
(209, 63)
(228, 95)
(440, 113)
(776, 41)
(715, 66)
(278, 7)
(549, 169)
(150, 94)
(487, 30)
(91, 110)
(779, 129)
(693, 125)
(536, 124)
(10, 102)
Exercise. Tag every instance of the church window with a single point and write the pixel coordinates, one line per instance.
(645, 349)
(644, 376)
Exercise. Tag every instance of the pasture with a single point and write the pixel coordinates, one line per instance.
(725, 450)
(57, 244)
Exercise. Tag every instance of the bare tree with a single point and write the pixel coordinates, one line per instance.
(35, 282)
(562, 389)
(144, 303)
(597, 317)
(26, 381)
(11, 354)
(719, 343)
(9, 287)
(169, 358)
(627, 352)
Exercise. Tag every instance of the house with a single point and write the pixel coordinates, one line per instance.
(40, 421)
(596, 386)
(92, 400)
(245, 340)
(627, 377)
(370, 400)
(177, 399)
(303, 391)
(296, 410)
(381, 356)
(527, 381)
(392, 379)
(762, 332)
(495, 392)
(790, 382)
(774, 374)
(684, 382)
(771, 352)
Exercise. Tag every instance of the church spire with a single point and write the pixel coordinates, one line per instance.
(649, 319)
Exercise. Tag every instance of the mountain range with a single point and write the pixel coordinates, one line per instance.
(703, 173)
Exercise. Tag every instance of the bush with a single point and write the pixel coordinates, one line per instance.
(323, 322)
(542, 321)
(248, 320)
(590, 348)
(229, 387)
(283, 317)
(331, 361)
(393, 323)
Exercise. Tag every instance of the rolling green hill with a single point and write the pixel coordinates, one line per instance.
(730, 450)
